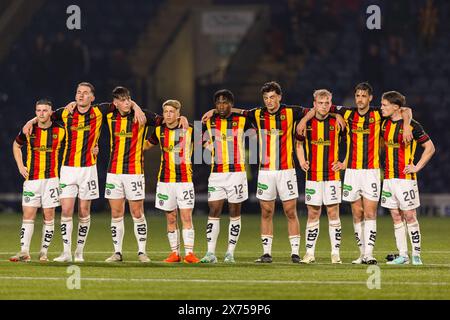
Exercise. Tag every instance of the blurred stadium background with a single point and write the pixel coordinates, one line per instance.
(164, 49)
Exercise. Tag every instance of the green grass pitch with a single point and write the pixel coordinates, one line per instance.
(243, 280)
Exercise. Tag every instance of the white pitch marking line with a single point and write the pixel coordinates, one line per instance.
(229, 281)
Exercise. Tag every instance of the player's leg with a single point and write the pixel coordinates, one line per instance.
(370, 229)
(400, 237)
(352, 193)
(84, 223)
(267, 211)
(358, 226)
(26, 233)
(408, 194)
(68, 195)
(266, 193)
(48, 230)
(140, 228)
(311, 232)
(332, 195)
(370, 182)
(237, 193)
(234, 230)
(88, 186)
(290, 211)
(117, 228)
(185, 197)
(166, 200)
(173, 234)
(286, 181)
(335, 231)
(415, 237)
(50, 200)
(67, 209)
(212, 230)
(188, 235)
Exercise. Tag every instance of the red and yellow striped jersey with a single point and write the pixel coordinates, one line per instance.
(226, 135)
(397, 154)
(82, 133)
(176, 151)
(43, 147)
(276, 135)
(322, 148)
(363, 137)
(127, 140)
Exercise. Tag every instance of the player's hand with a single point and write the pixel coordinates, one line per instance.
(304, 165)
(183, 123)
(24, 172)
(139, 116)
(95, 150)
(208, 115)
(208, 146)
(337, 165)
(28, 127)
(71, 106)
(147, 145)
(341, 122)
(410, 168)
(407, 134)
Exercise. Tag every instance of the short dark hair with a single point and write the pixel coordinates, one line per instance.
(87, 84)
(44, 101)
(395, 97)
(227, 94)
(364, 86)
(120, 92)
(271, 86)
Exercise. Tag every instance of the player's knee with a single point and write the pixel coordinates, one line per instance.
(291, 214)
(171, 219)
(136, 210)
(214, 212)
(235, 210)
(410, 217)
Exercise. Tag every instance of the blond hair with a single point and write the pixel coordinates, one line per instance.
(173, 103)
(322, 93)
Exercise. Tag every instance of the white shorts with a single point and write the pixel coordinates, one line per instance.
(400, 194)
(125, 186)
(322, 192)
(169, 195)
(228, 185)
(81, 181)
(41, 193)
(361, 183)
(271, 182)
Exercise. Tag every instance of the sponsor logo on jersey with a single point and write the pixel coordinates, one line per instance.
(392, 144)
(321, 142)
(81, 127)
(123, 134)
(43, 149)
(361, 130)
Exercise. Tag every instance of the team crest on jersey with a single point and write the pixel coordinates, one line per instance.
(371, 120)
(234, 124)
(92, 116)
(282, 117)
(331, 128)
(55, 136)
